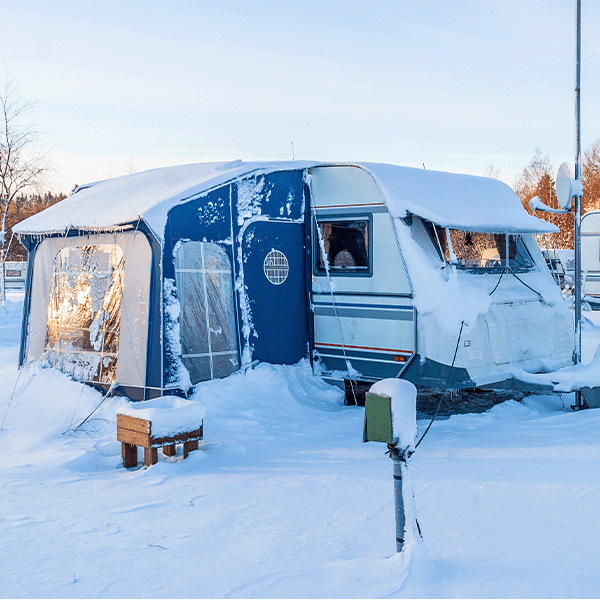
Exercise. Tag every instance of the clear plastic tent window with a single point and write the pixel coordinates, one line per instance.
(209, 347)
(84, 312)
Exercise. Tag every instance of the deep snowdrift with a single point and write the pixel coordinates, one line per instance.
(284, 500)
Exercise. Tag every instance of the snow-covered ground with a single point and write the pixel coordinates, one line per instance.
(283, 499)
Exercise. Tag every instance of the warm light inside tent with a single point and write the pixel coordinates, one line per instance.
(84, 311)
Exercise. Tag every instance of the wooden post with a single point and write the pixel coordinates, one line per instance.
(150, 456)
(129, 453)
(169, 450)
(189, 447)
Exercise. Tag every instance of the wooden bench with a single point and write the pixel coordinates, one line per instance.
(135, 431)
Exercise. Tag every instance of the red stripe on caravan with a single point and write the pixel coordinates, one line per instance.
(361, 348)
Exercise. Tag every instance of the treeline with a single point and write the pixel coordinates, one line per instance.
(538, 179)
(23, 207)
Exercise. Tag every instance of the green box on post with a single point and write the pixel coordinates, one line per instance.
(378, 419)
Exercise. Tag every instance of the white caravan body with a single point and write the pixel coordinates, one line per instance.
(418, 307)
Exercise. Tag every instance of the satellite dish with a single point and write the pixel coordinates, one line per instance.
(564, 186)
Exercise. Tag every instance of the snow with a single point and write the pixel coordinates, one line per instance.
(577, 189)
(536, 204)
(569, 379)
(284, 500)
(448, 200)
(169, 415)
(180, 377)
(449, 297)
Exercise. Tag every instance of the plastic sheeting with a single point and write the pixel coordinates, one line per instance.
(88, 314)
(84, 311)
(207, 319)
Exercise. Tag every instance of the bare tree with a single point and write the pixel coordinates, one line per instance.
(537, 179)
(22, 168)
(491, 172)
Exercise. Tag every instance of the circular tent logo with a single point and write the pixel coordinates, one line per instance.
(276, 267)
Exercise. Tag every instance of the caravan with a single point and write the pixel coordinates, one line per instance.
(156, 281)
(590, 257)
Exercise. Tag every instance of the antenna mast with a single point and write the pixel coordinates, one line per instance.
(577, 232)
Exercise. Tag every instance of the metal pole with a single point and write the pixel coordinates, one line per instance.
(577, 232)
(398, 500)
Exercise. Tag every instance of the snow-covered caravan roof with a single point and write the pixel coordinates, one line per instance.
(448, 199)
(456, 201)
(148, 195)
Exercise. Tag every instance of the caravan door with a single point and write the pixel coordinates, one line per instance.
(274, 299)
(364, 321)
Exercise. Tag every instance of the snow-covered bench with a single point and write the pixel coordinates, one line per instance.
(159, 423)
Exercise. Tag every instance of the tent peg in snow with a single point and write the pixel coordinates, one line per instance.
(160, 280)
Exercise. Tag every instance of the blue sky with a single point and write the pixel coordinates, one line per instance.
(457, 86)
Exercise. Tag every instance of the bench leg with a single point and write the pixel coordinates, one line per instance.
(188, 447)
(129, 453)
(150, 456)
(169, 450)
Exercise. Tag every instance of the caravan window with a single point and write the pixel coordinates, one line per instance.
(346, 245)
(84, 311)
(477, 251)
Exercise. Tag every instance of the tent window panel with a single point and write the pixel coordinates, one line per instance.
(225, 364)
(193, 313)
(219, 289)
(207, 319)
(198, 367)
(475, 250)
(346, 244)
(84, 311)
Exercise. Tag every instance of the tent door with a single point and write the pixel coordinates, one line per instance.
(274, 263)
(208, 332)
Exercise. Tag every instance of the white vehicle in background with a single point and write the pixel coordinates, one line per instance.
(590, 257)
(15, 275)
(567, 257)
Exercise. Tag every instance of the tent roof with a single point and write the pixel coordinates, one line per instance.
(449, 199)
(148, 195)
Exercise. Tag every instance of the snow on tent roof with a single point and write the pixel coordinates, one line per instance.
(148, 195)
(448, 199)
(456, 201)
